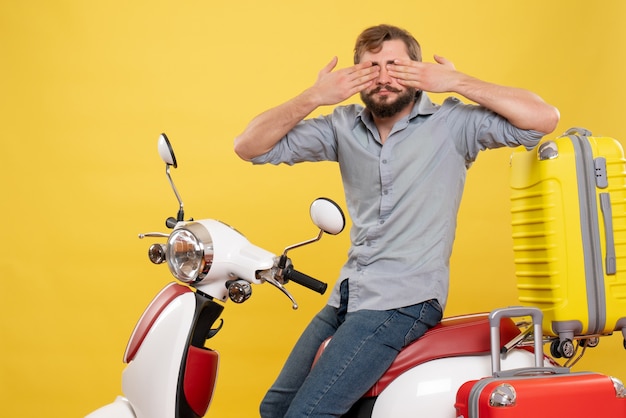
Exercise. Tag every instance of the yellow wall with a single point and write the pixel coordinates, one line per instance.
(87, 87)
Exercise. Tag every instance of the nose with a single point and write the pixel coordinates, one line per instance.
(383, 76)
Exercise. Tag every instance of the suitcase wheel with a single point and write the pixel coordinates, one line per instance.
(563, 348)
(590, 342)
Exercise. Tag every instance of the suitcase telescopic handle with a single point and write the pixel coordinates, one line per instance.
(496, 316)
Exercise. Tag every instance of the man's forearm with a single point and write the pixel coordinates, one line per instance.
(265, 130)
(522, 108)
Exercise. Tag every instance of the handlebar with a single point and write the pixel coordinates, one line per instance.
(305, 280)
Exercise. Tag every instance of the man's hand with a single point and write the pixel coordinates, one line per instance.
(436, 78)
(333, 87)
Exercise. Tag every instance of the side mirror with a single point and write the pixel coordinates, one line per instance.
(166, 152)
(327, 216)
(167, 155)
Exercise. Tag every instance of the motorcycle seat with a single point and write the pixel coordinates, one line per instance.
(452, 337)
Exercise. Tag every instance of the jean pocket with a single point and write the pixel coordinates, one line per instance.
(435, 304)
(429, 315)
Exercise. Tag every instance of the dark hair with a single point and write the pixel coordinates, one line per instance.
(371, 39)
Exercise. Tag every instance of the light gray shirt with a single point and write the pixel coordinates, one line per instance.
(402, 196)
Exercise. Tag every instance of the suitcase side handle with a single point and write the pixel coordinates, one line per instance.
(577, 131)
(610, 263)
(496, 316)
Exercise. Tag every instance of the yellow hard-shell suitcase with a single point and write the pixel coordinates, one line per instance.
(568, 206)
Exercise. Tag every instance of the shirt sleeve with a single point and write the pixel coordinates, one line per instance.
(310, 140)
(477, 128)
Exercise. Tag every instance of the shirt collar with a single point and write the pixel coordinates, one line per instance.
(423, 106)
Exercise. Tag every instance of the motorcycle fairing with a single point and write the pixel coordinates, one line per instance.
(166, 355)
(154, 371)
(150, 315)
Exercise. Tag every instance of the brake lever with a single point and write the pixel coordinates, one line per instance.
(272, 280)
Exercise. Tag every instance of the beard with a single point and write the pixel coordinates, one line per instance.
(385, 108)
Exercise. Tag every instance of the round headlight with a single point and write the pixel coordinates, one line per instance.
(189, 257)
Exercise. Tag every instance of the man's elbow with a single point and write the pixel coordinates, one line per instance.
(241, 150)
(549, 120)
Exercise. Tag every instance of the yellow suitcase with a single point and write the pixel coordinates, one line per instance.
(568, 207)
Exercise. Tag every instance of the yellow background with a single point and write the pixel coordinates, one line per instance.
(87, 86)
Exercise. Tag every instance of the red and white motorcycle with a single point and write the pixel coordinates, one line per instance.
(171, 374)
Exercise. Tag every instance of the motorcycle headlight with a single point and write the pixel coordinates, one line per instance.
(190, 253)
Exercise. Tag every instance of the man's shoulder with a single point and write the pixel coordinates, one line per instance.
(350, 109)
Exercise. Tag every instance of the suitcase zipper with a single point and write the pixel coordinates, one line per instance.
(589, 215)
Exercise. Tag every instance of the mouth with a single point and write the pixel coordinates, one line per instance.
(384, 90)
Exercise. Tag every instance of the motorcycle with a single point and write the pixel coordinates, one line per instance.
(170, 373)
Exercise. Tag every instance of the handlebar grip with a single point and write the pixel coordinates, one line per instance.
(305, 280)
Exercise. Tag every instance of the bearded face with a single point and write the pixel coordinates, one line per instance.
(386, 101)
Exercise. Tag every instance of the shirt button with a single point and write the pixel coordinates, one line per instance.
(384, 161)
(385, 192)
(382, 221)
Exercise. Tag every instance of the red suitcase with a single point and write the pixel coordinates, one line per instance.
(540, 391)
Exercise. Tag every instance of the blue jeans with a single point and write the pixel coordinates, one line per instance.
(363, 346)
